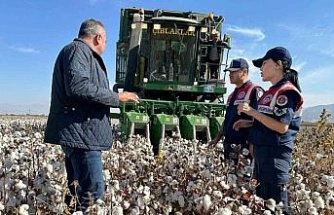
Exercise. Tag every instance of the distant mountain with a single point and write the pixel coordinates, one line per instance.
(312, 114)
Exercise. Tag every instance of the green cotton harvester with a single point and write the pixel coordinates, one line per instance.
(163, 56)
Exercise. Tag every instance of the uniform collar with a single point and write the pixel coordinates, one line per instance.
(279, 83)
(244, 85)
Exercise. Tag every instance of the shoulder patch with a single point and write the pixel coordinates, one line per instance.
(259, 92)
(282, 100)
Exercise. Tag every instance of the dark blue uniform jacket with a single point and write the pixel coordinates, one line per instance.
(273, 151)
(238, 96)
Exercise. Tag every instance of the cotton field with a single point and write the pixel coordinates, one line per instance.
(188, 177)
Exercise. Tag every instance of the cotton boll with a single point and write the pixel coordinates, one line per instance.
(19, 185)
(140, 202)
(267, 212)
(217, 195)
(312, 211)
(6, 139)
(16, 168)
(167, 209)
(174, 183)
(315, 195)
(38, 135)
(8, 163)
(302, 194)
(23, 209)
(209, 190)
(17, 134)
(58, 199)
(168, 179)
(96, 209)
(206, 173)
(49, 167)
(115, 185)
(232, 179)
(224, 185)
(330, 182)
(21, 195)
(126, 204)
(319, 156)
(151, 177)
(146, 191)
(224, 211)
(245, 152)
(271, 204)
(220, 146)
(207, 202)
(2, 207)
(100, 202)
(244, 210)
(330, 203)
(140, 189)
(181, 200)
(309, 203)
(117, 210)
(218, 179)
(319, 202)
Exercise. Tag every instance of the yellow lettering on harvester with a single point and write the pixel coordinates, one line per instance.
(175, 31)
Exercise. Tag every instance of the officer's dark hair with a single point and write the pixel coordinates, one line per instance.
(289, 74)
(292, 76)
(90, 28)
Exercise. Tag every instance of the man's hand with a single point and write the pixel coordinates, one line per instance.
(245, 108)
(242, 123)
(128, 97)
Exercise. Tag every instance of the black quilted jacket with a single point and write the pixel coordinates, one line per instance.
(80, 100)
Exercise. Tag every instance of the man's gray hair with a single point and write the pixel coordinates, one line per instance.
(89, 28)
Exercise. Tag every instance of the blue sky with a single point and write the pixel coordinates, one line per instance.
(33, 31)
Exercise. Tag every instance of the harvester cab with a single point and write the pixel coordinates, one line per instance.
(173, 61)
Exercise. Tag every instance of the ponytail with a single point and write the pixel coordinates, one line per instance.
(292, 76)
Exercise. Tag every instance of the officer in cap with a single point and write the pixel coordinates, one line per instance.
(277, 120)
(236, 127)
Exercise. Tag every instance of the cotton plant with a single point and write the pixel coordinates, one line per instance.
(189, 177)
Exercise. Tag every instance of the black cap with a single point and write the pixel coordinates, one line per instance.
(277, 53)
(237, 64)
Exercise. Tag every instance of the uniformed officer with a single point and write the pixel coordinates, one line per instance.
(235, 127)
(276, 122)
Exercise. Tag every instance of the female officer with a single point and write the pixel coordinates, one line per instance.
(276, 122)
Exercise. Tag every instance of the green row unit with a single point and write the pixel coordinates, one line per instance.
(132, 121)
(155, 119)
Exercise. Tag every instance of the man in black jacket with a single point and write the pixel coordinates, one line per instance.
(79, 113)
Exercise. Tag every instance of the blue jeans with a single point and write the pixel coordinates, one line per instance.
(85, 166)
